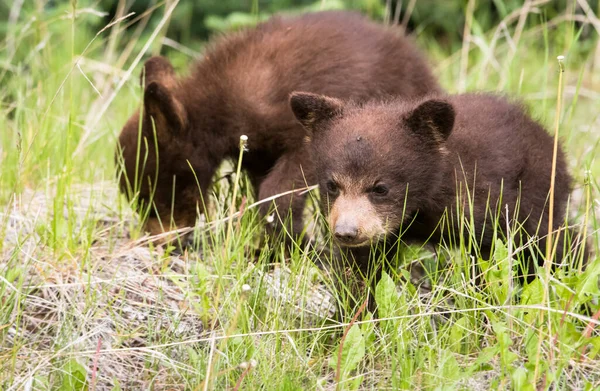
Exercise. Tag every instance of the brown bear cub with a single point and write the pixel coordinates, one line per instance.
(241, 87)
(421, 170)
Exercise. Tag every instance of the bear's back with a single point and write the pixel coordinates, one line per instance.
(498, 134)
(509, 151)
(340, 54)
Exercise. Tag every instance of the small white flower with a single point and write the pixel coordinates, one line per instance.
(253, 363)
(244, 365)
(246, 288)
(560, 58)
(270, 218)
(244, 143)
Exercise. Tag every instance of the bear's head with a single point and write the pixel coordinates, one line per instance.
(377, 163)
(161, 173)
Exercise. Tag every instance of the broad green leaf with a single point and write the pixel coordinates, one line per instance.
(486, 355)
(588, 285)
(519, 378)
(457, 333)
(500, 251)
(533, 293)
(531, 344)
(451, 369)
(386, 296)
(73, 376)
(353, 352)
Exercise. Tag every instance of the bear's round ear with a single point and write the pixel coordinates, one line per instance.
(165, 113)
(313, 109)
(159, 69)
(433, 119)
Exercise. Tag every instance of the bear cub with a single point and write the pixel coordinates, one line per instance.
(410, 170)
(241, 86)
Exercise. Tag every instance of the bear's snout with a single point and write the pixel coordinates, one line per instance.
(354, 222)
(346, 232)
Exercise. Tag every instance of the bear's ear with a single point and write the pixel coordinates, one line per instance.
(164, 111)
(159, 69)
(160, 104)
(313, 109)
(433, 119)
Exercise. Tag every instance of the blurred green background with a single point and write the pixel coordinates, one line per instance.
(195, 21)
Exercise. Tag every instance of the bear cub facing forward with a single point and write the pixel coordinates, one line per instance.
(418, 170)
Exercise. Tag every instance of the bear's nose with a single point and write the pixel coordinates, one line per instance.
(346, 233)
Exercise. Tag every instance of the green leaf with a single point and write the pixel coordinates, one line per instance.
(353, 352)
(531, 344)
(457, 333)
(500, 251)
(588, 285)
(486, 355)
(73, 376)
(501, 258)
(451, 369)
(405, 274)
(500, 329)
(41, 383)
(519, 378)
(354, 384)
(590, 387)
(386, 296)
(595, 342)
(367, 330)
(533, 293)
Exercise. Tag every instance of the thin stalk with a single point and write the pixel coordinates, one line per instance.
(243, 143)
(584, 236)
(549, 239)
(553, 173)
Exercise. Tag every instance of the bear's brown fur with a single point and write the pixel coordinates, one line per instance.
(241, 87)
(397, 168)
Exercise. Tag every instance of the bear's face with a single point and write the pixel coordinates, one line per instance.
(377, 164)
(160, 174)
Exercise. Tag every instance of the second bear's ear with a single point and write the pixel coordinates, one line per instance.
(433, 118)
(166, 112)
(160, 104)
(159, 69)
(313, 109)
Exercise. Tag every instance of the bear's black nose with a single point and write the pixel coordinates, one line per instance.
(346, 233)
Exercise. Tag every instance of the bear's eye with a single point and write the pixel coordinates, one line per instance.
(332, 187)
(380, 190)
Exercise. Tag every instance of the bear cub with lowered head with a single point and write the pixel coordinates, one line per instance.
(421, 170)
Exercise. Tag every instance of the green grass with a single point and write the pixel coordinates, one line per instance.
(86, 301)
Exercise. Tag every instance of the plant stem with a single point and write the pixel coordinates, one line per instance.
(243, 142)
(549, 240)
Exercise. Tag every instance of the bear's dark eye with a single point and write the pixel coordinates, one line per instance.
(332, 187)
(380, 190)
